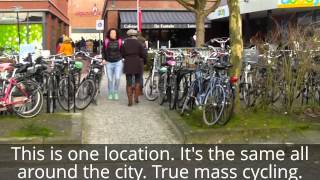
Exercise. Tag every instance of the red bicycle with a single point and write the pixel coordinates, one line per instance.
(22, 96)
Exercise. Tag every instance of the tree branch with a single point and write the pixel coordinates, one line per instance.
(213, 7)
(187, 5)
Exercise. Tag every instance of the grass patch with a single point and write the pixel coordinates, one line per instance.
(33, 130)
(249, 119)
(43, 125)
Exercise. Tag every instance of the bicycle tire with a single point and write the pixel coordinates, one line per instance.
(182, 91)
(63, 95)
(149, 90)
(33, 92)
(97, 80)
(50, 95)
(162, 85)
(173, 92)
(228, 107)
(217, 95)
(85, 94)
(188, 101)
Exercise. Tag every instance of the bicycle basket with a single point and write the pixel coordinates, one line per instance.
(78, 65)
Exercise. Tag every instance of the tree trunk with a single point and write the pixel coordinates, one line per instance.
(200, 30)
(235, 28)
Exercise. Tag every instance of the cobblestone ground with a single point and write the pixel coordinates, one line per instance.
(113, 122)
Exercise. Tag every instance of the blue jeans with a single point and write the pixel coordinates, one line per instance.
(114, 71)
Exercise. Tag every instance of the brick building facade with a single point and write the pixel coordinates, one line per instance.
(83, 15)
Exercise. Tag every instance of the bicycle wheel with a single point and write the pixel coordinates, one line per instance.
(50, 95)
(151, 88)
(97, 83)
(189, 99)
(162, 85)
(182, 91)
(228, 106)
(85, 94)
(32, 103)
(214, 105)
(246, 92)
(173, 92)
(66, 94)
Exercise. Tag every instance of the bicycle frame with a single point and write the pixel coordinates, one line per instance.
(5, 101)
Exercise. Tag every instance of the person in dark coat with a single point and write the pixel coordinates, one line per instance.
(134, 56)
(142, 40)
(83, 45)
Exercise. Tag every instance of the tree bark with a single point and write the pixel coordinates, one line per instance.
(200, 29)
(199, 7)
(235, 28)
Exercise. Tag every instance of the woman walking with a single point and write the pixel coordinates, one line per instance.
(112, 58)
(134, 57)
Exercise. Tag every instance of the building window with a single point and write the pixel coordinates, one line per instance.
(30, 26)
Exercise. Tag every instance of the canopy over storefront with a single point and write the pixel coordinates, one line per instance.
(160, 20)
(256, 6)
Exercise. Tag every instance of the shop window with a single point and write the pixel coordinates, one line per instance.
(31, 35)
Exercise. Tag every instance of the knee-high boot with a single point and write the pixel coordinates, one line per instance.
(137, 92)
(130, 95)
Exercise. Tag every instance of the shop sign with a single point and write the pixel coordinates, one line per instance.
(99, 25)
(298, 3)
(94, 12)
(220, 12)
(162, 26)
(81, 14)
(129, 26)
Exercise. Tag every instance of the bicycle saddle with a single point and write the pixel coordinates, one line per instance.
(97, 66)
(21, 68)
(220, 66)
(171, 63)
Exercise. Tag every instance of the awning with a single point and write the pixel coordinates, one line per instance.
(160, 20)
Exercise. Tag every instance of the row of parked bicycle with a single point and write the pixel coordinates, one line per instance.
(199, 78)
(281, 77)
(24, 87)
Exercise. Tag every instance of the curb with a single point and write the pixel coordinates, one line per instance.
(175, 128)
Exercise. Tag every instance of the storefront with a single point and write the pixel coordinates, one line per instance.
(164, 23)
(259, 16)
(39, 23)
(162, 28)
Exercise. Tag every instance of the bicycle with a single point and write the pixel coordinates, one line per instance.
(89, 87)
(23, 97)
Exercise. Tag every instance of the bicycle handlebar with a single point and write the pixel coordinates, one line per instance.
(221, 40)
